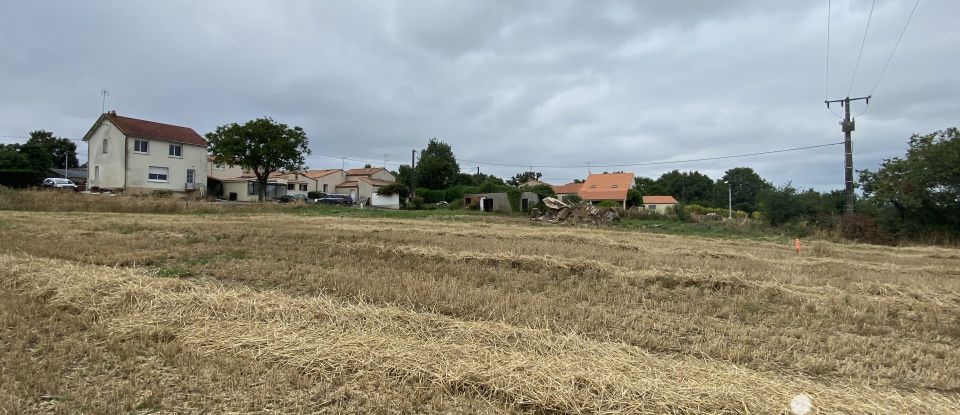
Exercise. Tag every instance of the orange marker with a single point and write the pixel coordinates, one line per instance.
(796, 245)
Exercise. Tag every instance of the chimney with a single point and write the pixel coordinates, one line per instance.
(112, 112)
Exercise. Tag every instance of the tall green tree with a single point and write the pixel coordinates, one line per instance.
(262, 146)
(59, 150)
(687, 187)
(924, 186)
(646, 186)
(746, 186)
(437, 168)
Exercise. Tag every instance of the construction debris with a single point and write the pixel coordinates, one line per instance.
(577, 214)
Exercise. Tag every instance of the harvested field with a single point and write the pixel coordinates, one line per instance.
(125, 312)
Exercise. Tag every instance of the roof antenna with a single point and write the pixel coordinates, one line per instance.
(104, 93)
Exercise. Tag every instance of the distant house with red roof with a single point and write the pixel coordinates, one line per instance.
(607, 186)
(139, 156)
(362, 184)
(659, 204)
(566, 190)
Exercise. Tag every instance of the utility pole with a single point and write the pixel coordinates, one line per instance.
(413, 174)
(729, 201)
(847, 125)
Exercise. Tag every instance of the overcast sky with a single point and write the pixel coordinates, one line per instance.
(531, 83)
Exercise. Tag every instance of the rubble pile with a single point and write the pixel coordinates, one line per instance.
(582, 213)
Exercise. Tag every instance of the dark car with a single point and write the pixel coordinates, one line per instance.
(287, 198)
(336, 200)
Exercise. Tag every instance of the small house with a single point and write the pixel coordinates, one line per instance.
(658, 204)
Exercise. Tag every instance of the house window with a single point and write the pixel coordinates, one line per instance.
(190, 174)
(251, 188)
(96, 174)
(303, 187)
(652, 207)
(140, 146)
(324, 188)
(104, 146)
(157, 174)
(291, 186)
(176, 150)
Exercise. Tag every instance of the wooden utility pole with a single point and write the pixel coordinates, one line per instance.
(848, 125)
(413, 174)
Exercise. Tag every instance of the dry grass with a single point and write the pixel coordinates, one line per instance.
(474, 317)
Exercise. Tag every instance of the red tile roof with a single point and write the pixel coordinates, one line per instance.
(659, 200)
(567, 189)
(375, 182)
(606, 186)
(364, 171)
(316, 174)
(352, 183)
(133, 127)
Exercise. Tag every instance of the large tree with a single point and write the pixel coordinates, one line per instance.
(745, 185)
(39, 154)
(262, 146)
(58, 149)
(687, 187)
(437, 168)
(924, 187)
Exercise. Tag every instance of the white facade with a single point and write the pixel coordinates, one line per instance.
(136, 165)
(388, 202)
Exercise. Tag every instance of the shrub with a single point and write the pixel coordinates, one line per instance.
(162, 193)
(682, 214)
(395, 188)
(609, 204)
(863, 228)
(456, 204)
(20, 179)
(417, 202)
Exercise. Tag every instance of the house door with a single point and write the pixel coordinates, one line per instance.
(353, 194)
(524, 205)
(487, 204)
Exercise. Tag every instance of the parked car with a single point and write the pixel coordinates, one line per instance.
(336, 200)
(59, 183)
(287, 198)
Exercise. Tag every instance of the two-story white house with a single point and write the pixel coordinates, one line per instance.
(138, 156)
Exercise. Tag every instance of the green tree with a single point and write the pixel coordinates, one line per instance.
(634, 197)
(58, 149)
(262, 146)
(924, 186)
(690, 187)
(646, 186)
(437, 168)
(746, 186)
(523, 177)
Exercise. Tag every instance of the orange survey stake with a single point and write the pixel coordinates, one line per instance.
(796, 245)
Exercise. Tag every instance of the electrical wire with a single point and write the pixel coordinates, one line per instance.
(862, 43)
(882, 71)
(653, 163)
(826, 78)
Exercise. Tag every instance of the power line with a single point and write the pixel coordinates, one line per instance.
(862, 43)
(653, 163)
(895, 47)
(826, 78)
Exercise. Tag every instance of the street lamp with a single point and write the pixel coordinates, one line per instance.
(729, 199)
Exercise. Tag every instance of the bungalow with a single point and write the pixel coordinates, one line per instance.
(659, 204)
(138, 156)
(361, 184)
(607, 186)
(326, 180)
(567, 190)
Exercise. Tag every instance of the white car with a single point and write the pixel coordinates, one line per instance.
(59, 183)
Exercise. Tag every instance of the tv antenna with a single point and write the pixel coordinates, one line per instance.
(104, 93)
